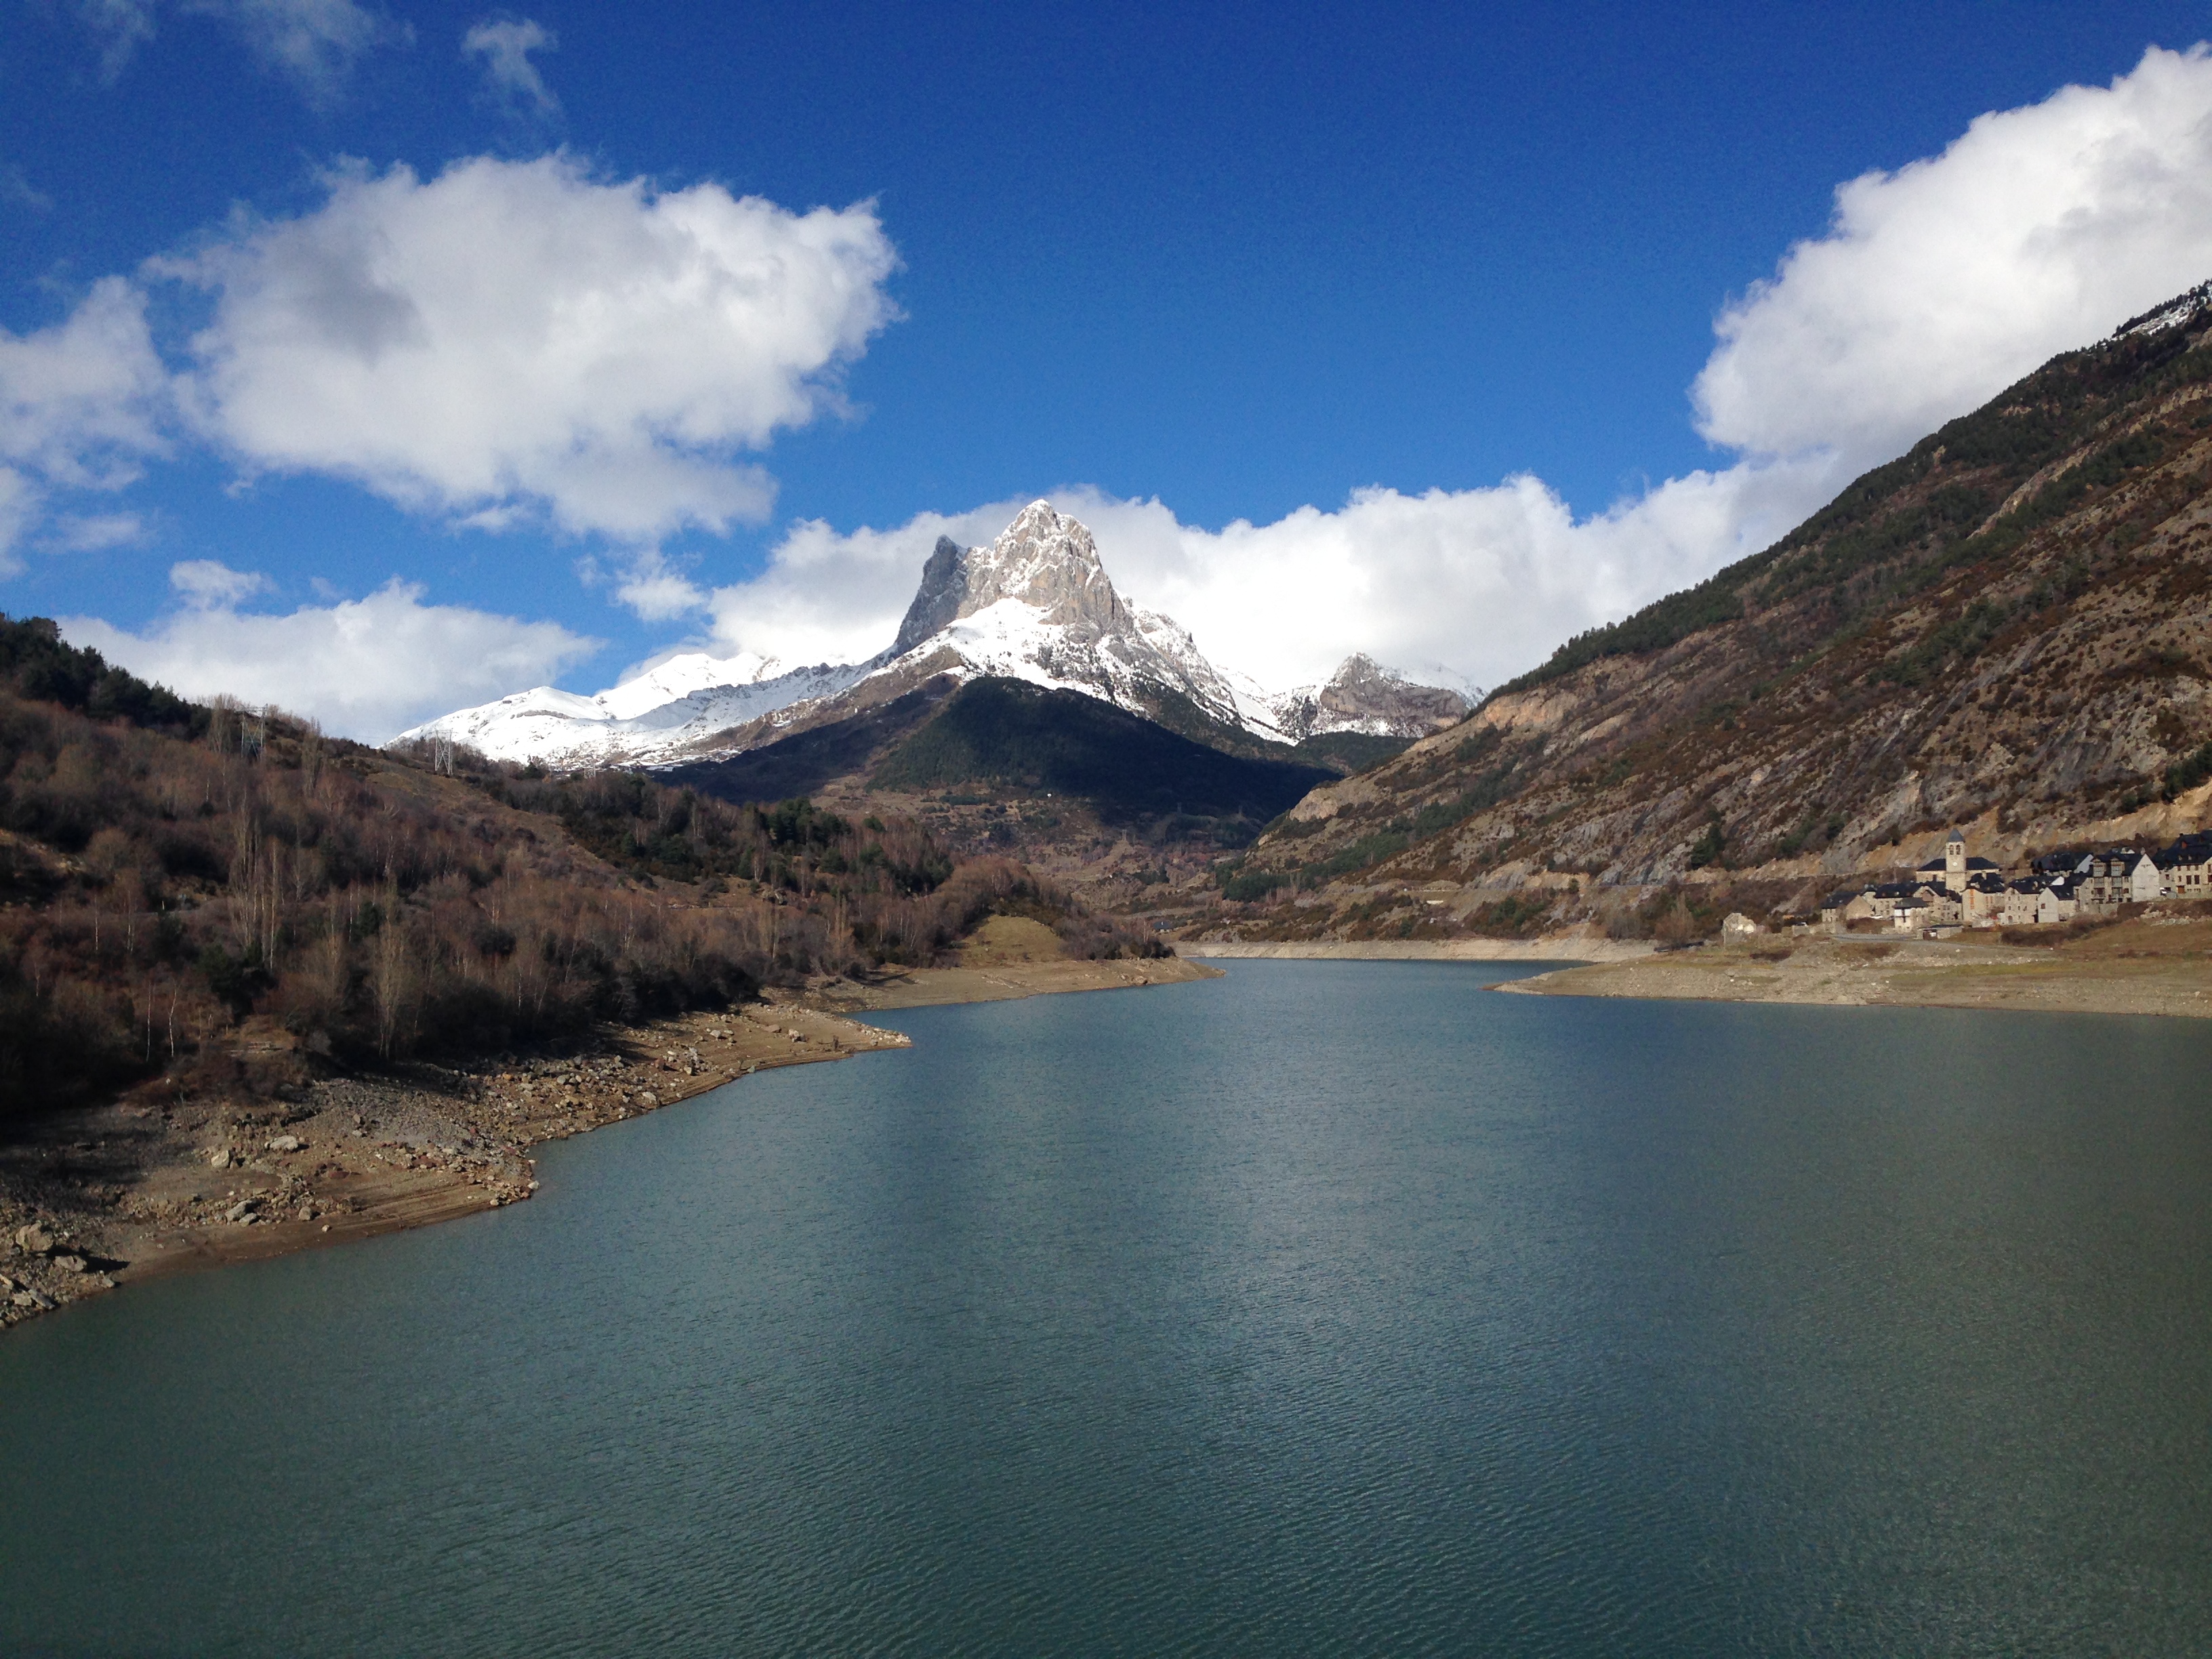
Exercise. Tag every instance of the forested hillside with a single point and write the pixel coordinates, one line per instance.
(178, 884)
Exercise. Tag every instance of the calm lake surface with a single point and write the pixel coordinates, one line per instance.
(1328, 1308)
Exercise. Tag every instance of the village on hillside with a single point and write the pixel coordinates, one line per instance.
(1957, 891)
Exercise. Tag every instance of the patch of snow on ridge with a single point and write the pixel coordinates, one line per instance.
(636, 722)
(2178, 310)
(680, 675)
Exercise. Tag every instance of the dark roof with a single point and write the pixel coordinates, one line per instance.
(1971, 864)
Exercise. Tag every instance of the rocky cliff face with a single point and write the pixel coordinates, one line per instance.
(2009, 630)
(1050, 563)
(937, 602)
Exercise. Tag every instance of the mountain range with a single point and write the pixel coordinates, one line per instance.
(1036, 606)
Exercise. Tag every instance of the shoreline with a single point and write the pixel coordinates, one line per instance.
(132, 1191)
(2158, 966)
(1570, 948)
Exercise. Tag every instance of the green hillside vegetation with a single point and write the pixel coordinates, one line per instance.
(1006, 733)
(1242, 881)
(1348, 752)
(35, 665)
(805, 762)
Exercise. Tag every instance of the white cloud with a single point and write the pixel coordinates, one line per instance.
(657, 591)
(92, 532)
(120, 26)
(312, 43)
(17, 191)
(2038, 231)
(366, 668)
(1938, 285)
(81, 402)
(505, 45)
(520, 334)
(1480, 582)
(81, 407)
(827, 596)
(19, 506)
(512, 342)
(209, 585)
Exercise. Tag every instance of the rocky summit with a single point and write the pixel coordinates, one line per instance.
(1365, 697)
(1037, 605)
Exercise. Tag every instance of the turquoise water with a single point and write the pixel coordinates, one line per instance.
(1332, 1309)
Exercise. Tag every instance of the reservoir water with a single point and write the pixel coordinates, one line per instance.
(1323, 1308)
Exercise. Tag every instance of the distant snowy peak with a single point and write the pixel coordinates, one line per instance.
(642, 720)
(1036, 605)
(1362, 695)
(1045, 560)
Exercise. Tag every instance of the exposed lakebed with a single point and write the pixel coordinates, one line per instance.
(1324, 1308)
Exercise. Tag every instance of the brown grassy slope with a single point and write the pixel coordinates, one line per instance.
(2007, 627)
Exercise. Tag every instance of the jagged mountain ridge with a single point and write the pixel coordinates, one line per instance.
(1036, 606)
(2008, 629)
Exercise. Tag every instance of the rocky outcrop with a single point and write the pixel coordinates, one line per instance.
(1365, 697)
(937, 602)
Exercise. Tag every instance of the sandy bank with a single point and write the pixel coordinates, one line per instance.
(1572, 948)
(134, 1190)
(2135, 967)
(998, 981)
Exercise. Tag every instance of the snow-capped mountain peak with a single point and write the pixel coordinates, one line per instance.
(1036, 605)
(1043, 560)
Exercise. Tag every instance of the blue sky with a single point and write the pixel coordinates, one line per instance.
(1229, 262)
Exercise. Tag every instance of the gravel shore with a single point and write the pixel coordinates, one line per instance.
(2152, 965)
(93, 1200)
